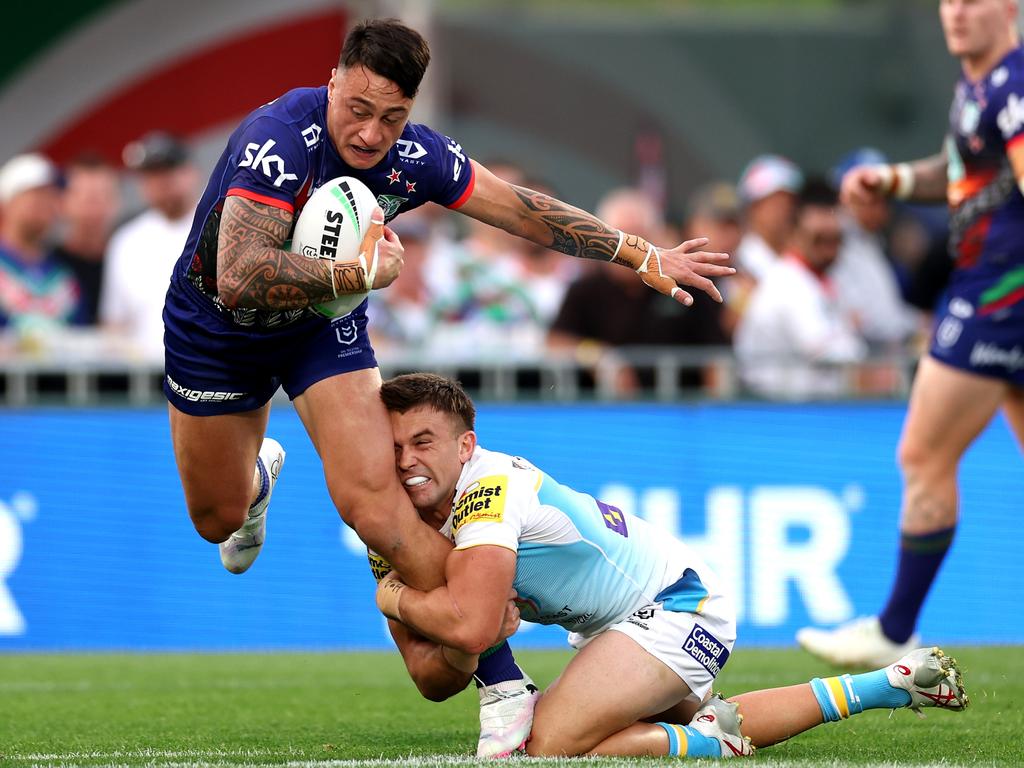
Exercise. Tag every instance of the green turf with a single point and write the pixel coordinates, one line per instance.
(320, 709)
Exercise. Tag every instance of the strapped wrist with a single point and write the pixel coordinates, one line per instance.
(389, 596)
(896, 180)
(349, 277)
(632, 251)
(903, 183)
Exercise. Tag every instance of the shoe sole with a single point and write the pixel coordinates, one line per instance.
(954, 678)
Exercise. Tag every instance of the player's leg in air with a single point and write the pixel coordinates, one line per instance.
(228, 471)
(948, 409)
(218, 405)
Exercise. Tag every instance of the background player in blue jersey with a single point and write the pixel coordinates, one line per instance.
(975, 364)
(648, 615)
(238, 318)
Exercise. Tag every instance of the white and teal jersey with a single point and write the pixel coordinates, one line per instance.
(581, 564)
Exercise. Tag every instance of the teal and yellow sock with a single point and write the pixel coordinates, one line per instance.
(684, 741)
(840, 697)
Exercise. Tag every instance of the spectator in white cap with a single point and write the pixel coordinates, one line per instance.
(143, 251)
(36, 290)
(768, 188)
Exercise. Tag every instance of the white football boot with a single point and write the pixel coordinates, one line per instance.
(242, 547)
(932, 678)
(859, 643)
(720, 719)
(506, 716)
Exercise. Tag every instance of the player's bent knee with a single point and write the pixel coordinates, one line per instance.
(549, 742)
(216, 524)
(919, 461)
(376, 522)
(436, 693)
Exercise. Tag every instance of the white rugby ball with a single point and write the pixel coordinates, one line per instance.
(331, 227)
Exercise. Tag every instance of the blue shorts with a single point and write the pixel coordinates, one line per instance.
(214, 366)
(977, 338)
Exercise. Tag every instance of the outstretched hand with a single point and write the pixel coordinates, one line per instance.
(665, 270)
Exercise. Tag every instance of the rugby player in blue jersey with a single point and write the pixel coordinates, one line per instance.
(649, 616)
(238, 315)
(975, 363)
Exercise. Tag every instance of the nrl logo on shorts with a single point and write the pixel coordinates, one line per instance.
(390, 204)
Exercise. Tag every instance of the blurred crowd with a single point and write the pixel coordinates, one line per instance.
(826, 299)
(72, 263)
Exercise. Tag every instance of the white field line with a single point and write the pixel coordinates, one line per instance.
(202, 759)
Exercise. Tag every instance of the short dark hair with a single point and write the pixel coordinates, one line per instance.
(90, 160)
(817, 193)
(405, 392)
(390, 49)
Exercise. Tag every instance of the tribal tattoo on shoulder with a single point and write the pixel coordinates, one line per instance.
(254, 271)
(574, 232)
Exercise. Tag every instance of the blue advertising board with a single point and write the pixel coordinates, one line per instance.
(795, 506)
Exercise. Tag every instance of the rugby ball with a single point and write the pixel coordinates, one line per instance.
(331, 226)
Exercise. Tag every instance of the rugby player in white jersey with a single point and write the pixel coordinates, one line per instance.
(649, 616)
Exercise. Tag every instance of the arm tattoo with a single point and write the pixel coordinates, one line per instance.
(573, 231)
(253, 270)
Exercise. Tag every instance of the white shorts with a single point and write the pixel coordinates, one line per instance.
(693, 645)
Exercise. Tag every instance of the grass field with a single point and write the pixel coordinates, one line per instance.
(353, 709)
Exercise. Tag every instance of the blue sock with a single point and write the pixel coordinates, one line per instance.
(920, 558)
(840, 697)
(497, 665)
(684, 741)
(876, 692)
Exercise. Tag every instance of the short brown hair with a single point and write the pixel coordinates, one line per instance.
(390, 49)
(405, 392)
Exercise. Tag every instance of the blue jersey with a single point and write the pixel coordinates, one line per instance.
(979, 325)
(282, 152)
(581, 563)
(986, 206)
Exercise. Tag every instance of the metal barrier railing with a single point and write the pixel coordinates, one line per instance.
(631, 373)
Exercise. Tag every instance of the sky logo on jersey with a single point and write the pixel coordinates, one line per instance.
(482, 501)
(706, 649)
(267, 163)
